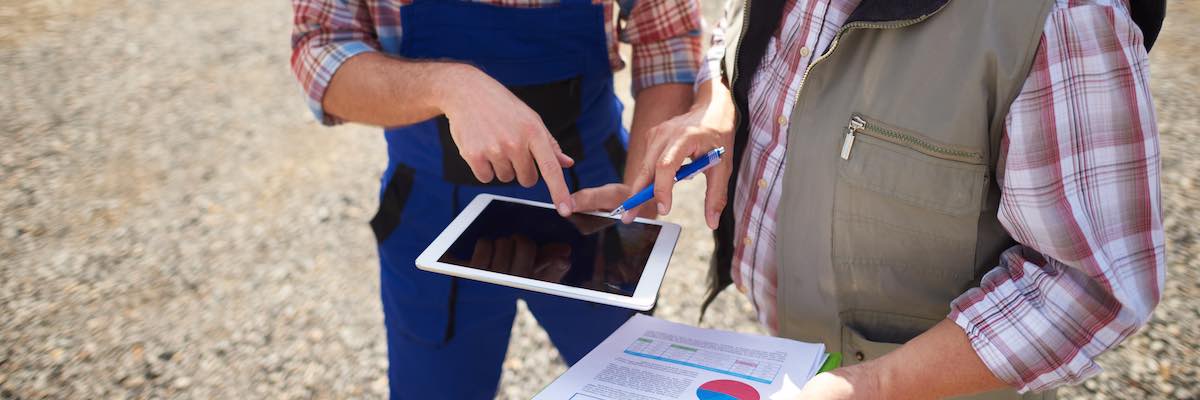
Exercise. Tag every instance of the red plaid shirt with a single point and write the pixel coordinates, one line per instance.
(1079, 192)
(665, 35)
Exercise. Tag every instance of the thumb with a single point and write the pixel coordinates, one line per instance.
(604, 198)
(715, 192)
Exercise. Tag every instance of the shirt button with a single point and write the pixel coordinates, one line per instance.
(746, 241)
(762, 183)
(782, 120)
(858, 355)
(805, 51)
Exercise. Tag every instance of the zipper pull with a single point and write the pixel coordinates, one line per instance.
(856, 124)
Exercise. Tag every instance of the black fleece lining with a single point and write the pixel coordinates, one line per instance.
(894, 10)
(1148, 15)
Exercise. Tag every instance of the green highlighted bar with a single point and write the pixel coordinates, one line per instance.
(642, 339)
(681, 347)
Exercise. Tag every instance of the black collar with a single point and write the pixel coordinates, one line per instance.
(894, 10)
(1147, 14)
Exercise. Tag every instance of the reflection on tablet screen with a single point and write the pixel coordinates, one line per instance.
(583, 251)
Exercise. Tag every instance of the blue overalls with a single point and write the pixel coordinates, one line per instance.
(447, 337)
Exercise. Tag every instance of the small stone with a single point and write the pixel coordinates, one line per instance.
(133, 381)
(380, 386)
(1157, 346)
(352, 338)
(182, 382)
(1164, 370)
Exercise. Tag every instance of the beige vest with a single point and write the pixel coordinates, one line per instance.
(888, 209)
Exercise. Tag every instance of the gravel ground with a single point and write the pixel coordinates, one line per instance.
(174, 224)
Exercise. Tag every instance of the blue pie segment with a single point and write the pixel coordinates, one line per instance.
(725, 389)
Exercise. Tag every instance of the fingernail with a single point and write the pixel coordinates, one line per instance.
(662, 209)
(712, 220)
(564, 209)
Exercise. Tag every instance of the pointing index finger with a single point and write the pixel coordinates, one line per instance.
(547, 161)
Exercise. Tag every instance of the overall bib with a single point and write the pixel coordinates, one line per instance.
(447, 337)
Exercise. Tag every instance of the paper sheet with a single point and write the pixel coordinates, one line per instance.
(651, 359)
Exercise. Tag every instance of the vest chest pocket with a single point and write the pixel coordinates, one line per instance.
(906, 211)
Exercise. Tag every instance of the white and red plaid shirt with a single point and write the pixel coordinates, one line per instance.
(1080, 192)
(665, 35)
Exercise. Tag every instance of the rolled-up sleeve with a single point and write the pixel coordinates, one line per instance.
(665, 35)
(711, 64)
(326, 34)
(1080, 193)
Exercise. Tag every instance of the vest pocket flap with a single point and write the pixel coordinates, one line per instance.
(856, 348)
(867, 335)
(914, 176)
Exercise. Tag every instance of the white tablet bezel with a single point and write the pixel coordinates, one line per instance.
(643, 297)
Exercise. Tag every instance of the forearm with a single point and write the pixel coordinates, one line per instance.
(653, 106)
(936, 364)
(376, 89)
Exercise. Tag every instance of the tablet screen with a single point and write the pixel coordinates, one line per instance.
(583, 251)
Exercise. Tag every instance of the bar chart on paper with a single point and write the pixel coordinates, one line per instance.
(755, 366)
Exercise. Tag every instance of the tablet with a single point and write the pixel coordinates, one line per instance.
(526, 244)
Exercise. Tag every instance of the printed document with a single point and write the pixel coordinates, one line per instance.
(652, 359)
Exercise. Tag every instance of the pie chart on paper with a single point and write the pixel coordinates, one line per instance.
(726, 390)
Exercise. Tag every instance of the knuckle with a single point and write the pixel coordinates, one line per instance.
(495, 152)
(655, 131)
(510, 143)
(530, 123)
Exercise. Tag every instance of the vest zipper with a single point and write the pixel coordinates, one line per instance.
(856, 124)
(859, 125)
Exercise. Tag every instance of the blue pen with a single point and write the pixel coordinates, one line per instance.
(687, 171)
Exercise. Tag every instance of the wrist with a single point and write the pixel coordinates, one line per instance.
(879, 376)
(449, 81)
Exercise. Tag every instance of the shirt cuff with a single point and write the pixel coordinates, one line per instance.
(707, 70)
(674, 60)
(328, 59)
(1018, 342)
